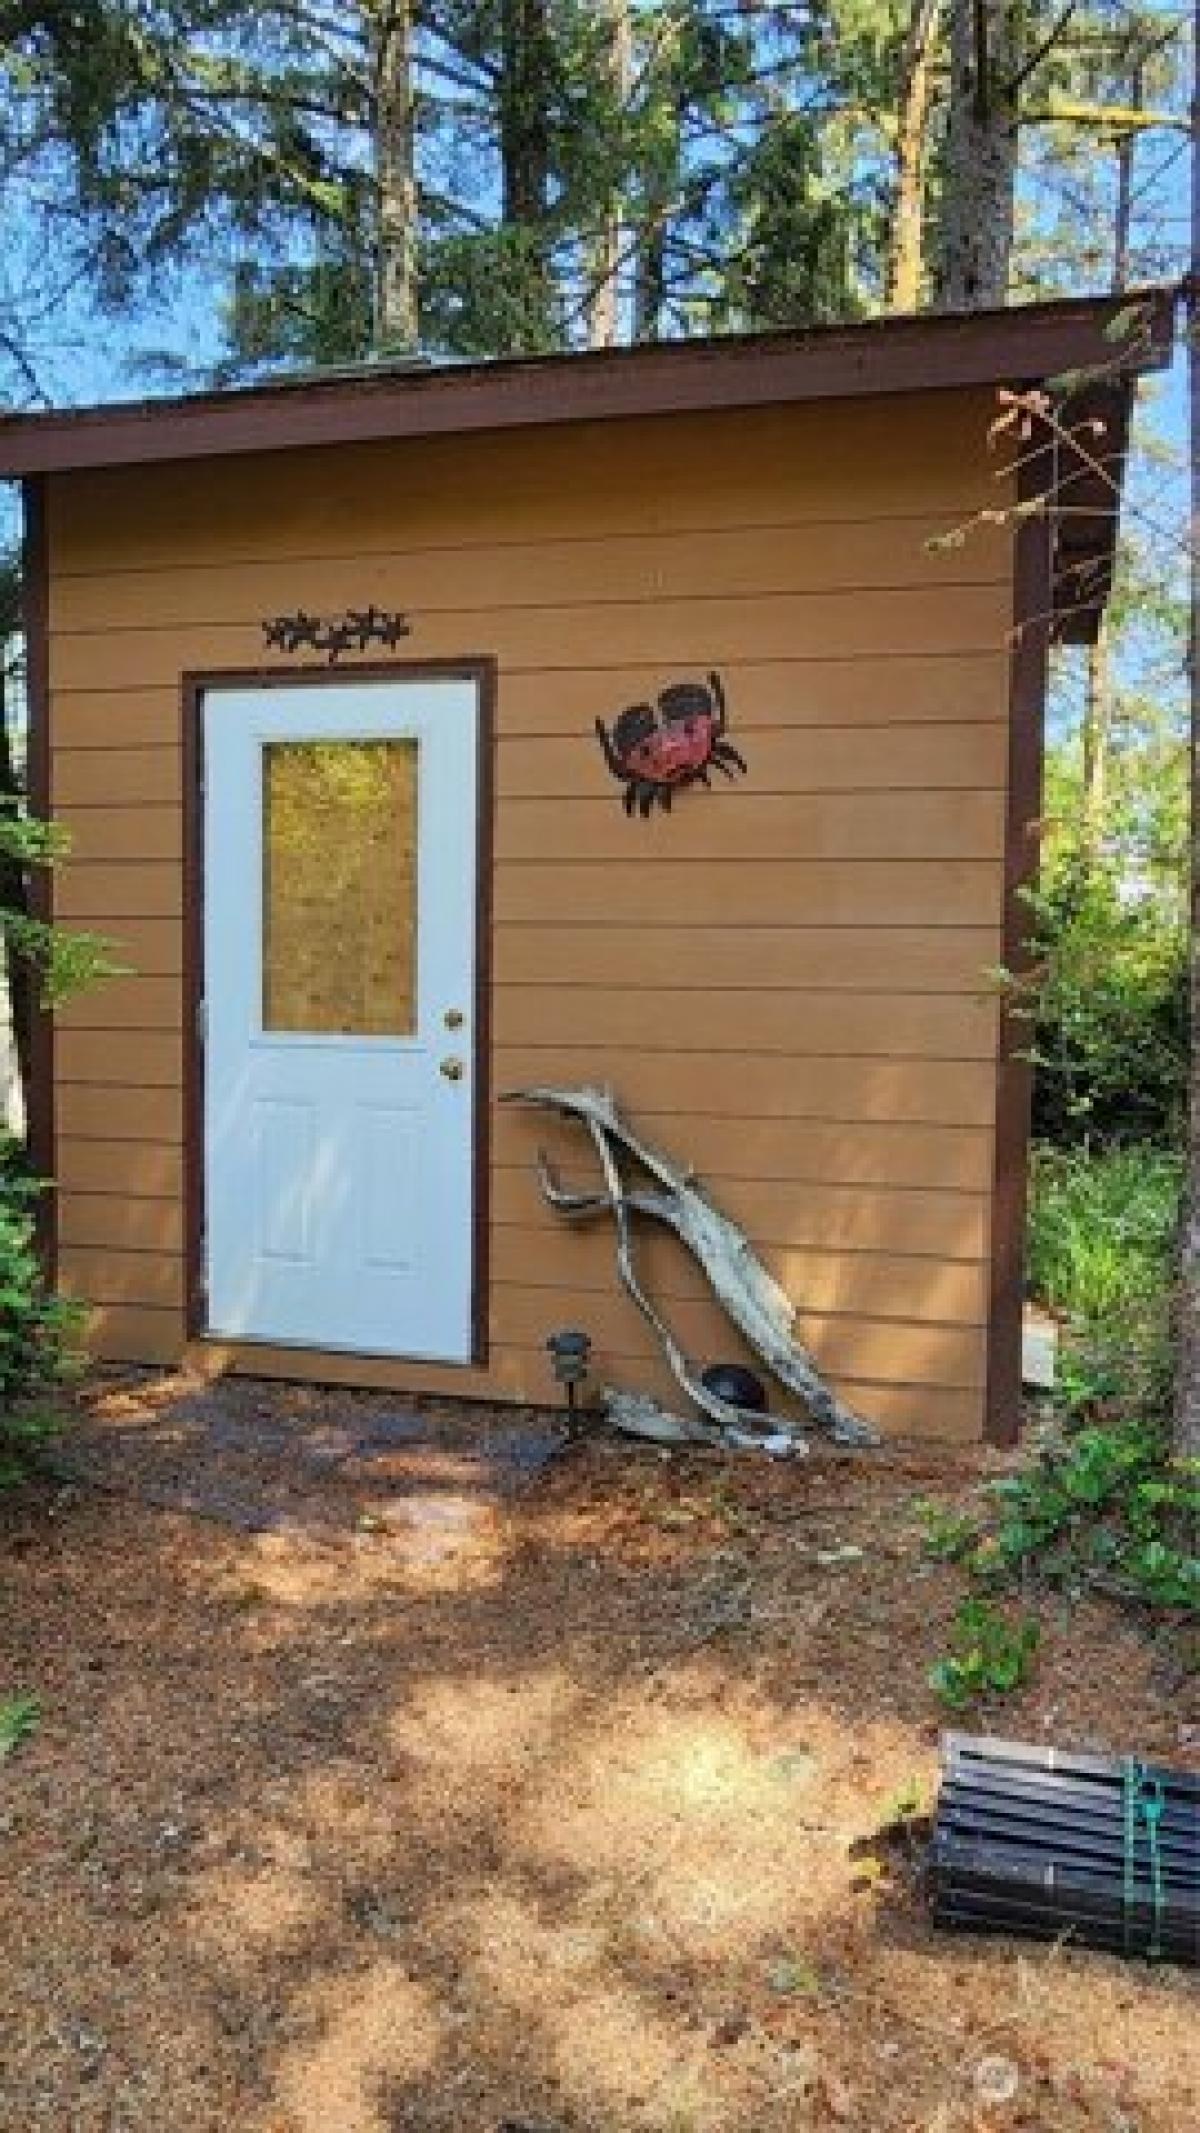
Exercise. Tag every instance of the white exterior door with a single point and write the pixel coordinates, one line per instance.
(340, 859)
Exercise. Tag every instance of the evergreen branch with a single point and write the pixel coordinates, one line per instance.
(22, 363)
(1043, 50)
(1063, 433)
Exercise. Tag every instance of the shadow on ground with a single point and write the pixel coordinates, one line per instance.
(547, 1824)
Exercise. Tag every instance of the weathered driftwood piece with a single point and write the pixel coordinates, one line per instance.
(635, 1414)
(755, 1303)
(728, 1418)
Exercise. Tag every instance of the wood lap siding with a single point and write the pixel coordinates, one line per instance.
(784, 980)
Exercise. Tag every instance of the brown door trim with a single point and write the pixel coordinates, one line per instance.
(1033, 597)
(478, 668)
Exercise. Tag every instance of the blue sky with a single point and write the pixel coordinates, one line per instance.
(1065, 221)
(174, 339)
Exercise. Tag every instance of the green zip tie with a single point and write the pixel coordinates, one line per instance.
(1143, 1797)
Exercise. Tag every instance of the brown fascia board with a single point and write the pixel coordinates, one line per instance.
(1021, 346)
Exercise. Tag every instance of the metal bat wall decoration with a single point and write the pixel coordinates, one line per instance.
(656, 749)
(335, 634)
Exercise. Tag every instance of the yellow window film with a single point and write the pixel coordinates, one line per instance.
(340, 887)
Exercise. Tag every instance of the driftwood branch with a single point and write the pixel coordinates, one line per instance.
(635, 1414)
(751, 1299)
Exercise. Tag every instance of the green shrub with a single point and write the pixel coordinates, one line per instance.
(37, 1330)
(62, 960)
(1107, 1014)
(991, 1655)
(1105, 1507)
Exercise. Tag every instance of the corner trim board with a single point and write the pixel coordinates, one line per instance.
(35, 595)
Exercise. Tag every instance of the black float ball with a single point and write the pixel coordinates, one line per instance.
(733, 1382)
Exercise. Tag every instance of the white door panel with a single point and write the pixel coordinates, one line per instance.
(340, 855)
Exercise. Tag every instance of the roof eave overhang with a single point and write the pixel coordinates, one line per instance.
(1019, 347)
(1093, 441)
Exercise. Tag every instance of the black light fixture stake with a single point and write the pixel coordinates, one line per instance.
(569, 1351)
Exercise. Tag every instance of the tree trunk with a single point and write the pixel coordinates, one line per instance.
(526, 55)
(1187, 1380)
(524, 132)
(1097, 727)
(650, 276)
(906, 260)
(604, 315)
(660, 188)
(1098, 705)
(1126, 148)
(395, 319)
(979, 193)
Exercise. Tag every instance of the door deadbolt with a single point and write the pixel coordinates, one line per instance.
(453, 1018)
(452, 1069)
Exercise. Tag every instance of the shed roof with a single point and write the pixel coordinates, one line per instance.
(1111, 340)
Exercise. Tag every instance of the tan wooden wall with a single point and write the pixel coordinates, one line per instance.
(783, 979)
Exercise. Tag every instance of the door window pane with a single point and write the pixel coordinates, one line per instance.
(340, 887)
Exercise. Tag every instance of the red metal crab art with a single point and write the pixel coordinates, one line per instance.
(657, 749)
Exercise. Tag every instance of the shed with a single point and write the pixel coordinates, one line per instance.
(316, 669)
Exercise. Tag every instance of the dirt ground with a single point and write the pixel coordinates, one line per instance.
(548, 1826)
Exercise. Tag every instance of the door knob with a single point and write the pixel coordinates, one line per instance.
(452, 1069)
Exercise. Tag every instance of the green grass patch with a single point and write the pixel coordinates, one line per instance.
(1100, 1255)
(1102, 1229)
